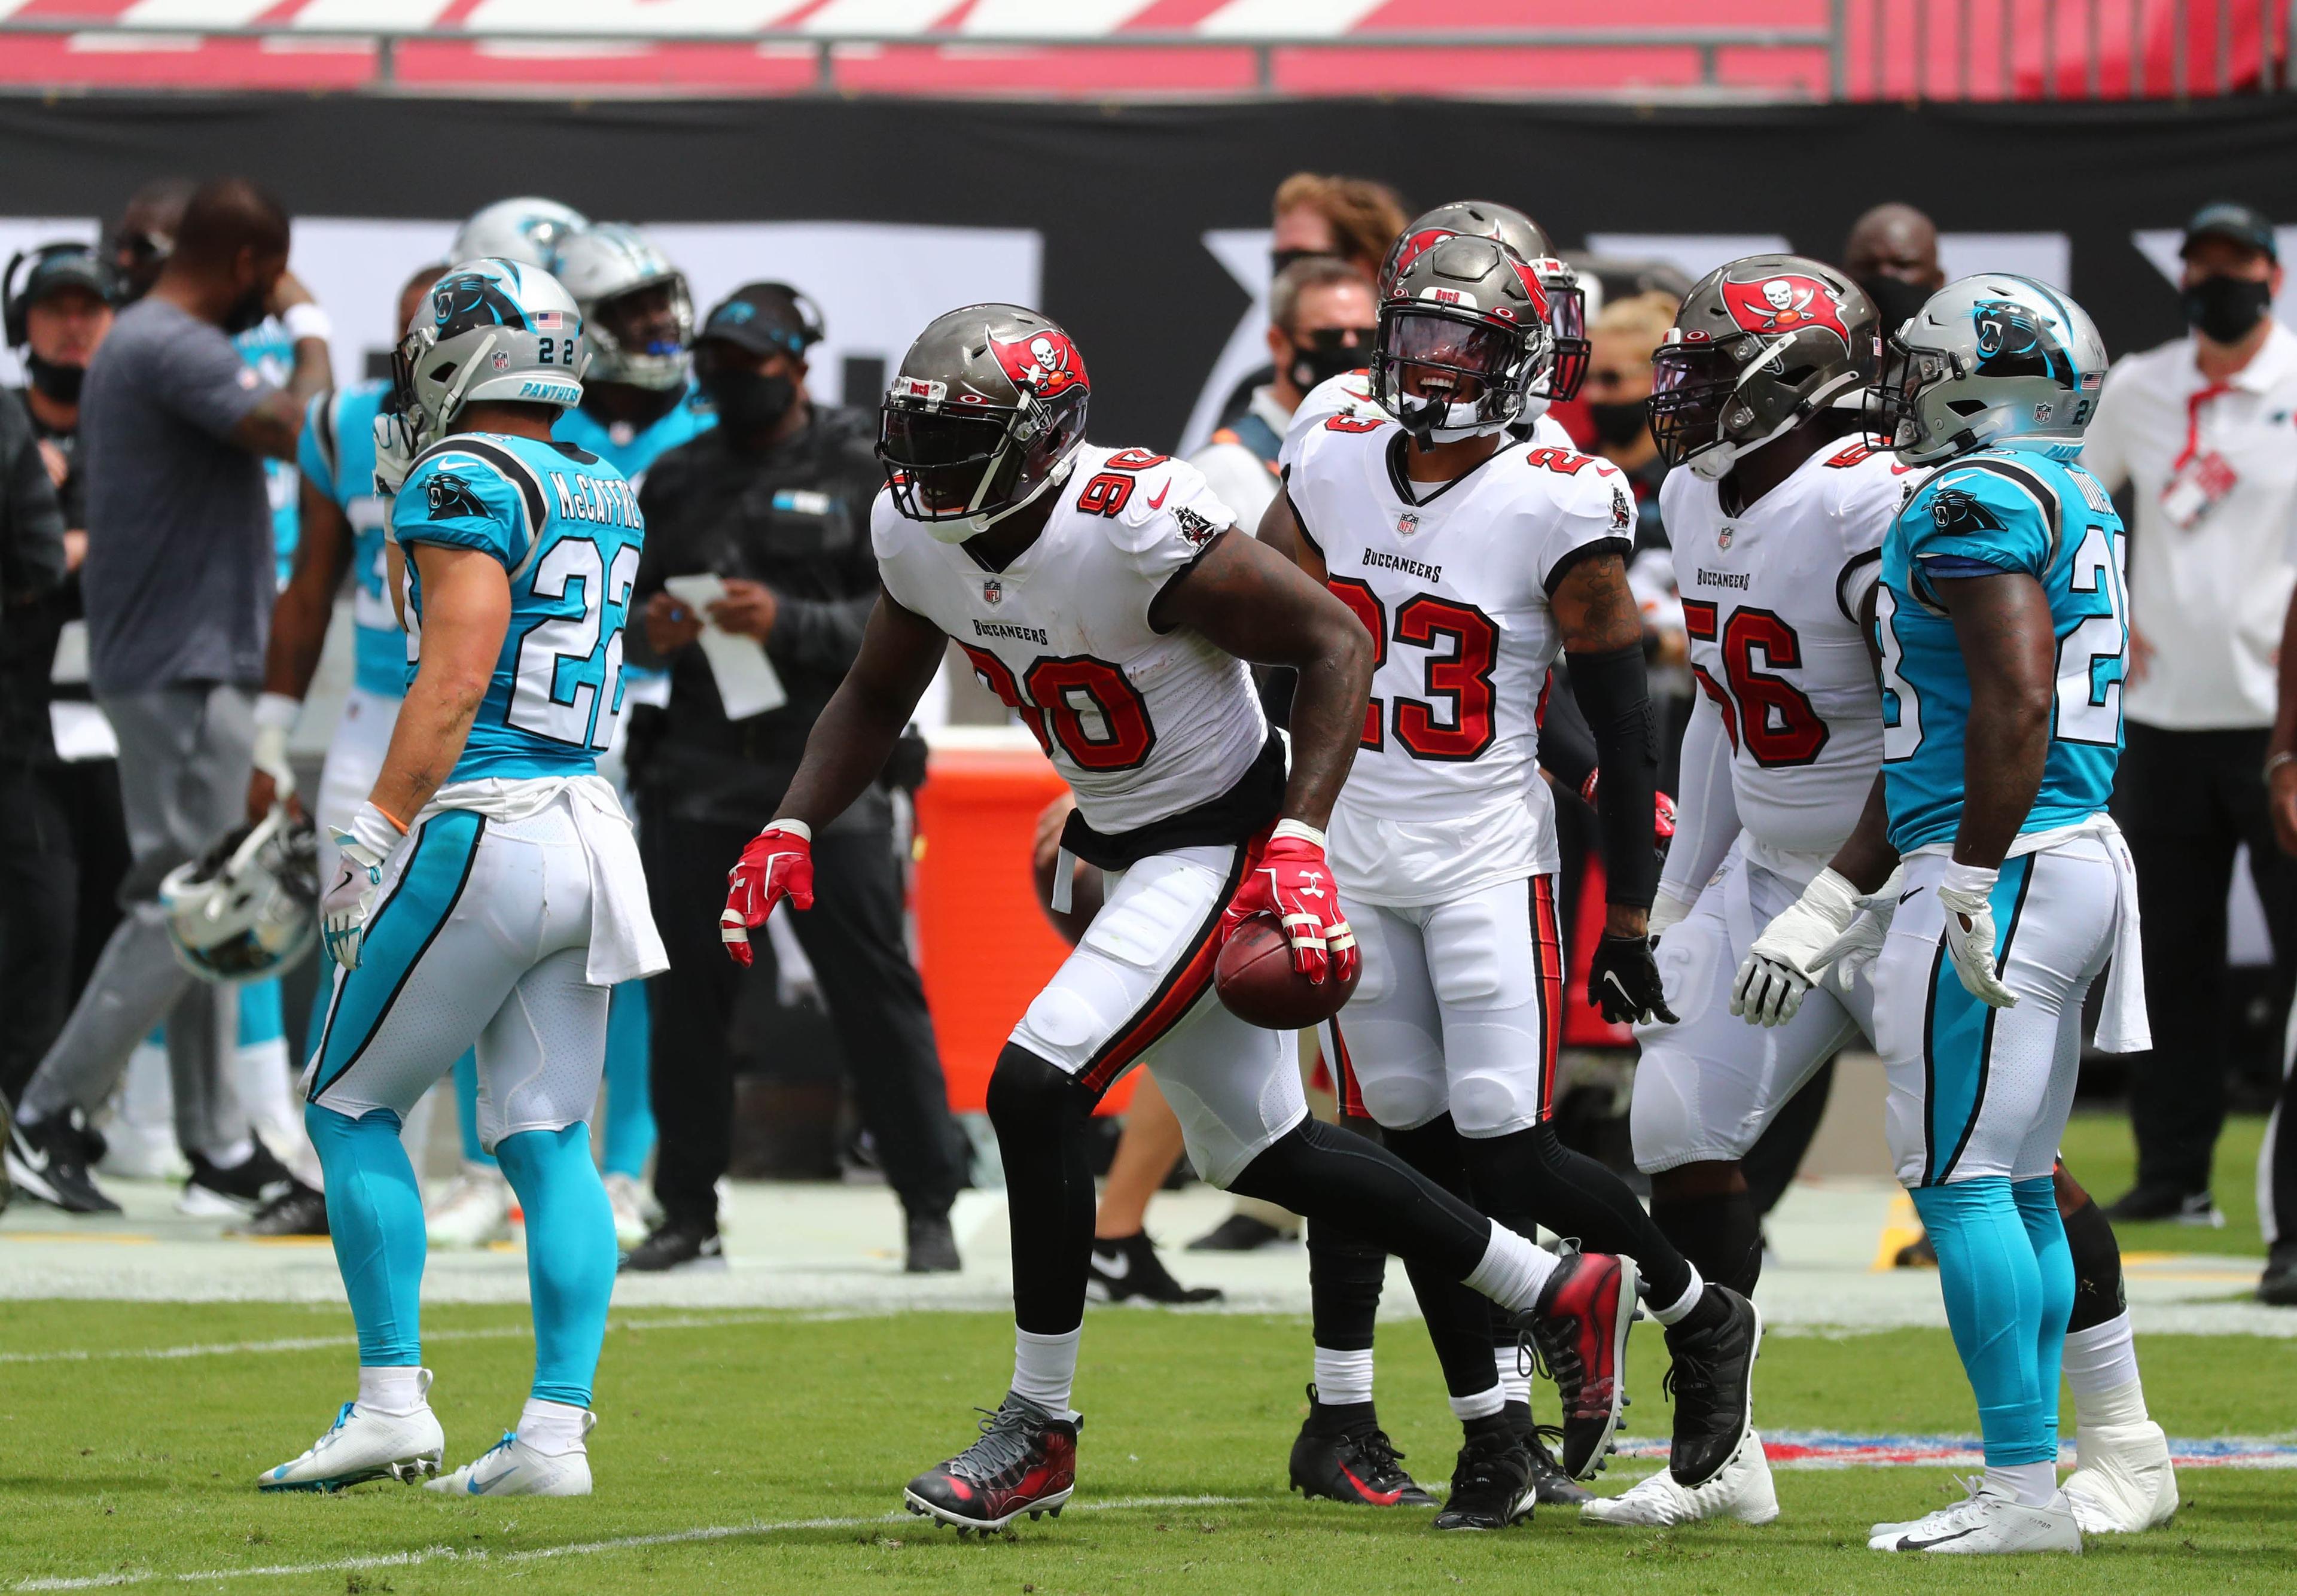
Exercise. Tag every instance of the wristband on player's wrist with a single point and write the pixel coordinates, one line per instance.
(306, 321)
(2275, 760)
(796, 828)
(1296, 828)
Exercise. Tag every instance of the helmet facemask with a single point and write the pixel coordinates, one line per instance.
(1702, 417)
(1567, 323)
(960, 473)
(1448, 375)
(661, 361)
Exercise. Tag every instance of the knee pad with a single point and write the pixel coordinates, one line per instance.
(1663, 1119)
(1490, 1102)
(1027, 1094)
(1402, 1100)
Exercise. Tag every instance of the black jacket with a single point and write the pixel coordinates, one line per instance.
(797, 519)
(31, 571)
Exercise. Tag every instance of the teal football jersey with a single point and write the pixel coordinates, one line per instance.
(270, 354)
(337, 457)
(1994, 511)
(631, 451)
(566, 526)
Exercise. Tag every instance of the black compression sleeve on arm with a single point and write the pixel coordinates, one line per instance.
(1616, 698)
(1567, 748)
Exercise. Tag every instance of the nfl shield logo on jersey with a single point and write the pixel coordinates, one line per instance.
(1723, 538)
(993, 591)
(1407, 523)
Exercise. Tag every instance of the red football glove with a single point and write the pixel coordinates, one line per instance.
(1292, 881)
(777, 864)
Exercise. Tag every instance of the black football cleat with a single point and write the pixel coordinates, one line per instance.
(1239, 1233)
(1556, 1488)
(932, 1247)
(1492, 1486)
(1578, 1331)
(1024, 1462)
(675, 1243)
(1712, 1381)
(1127, 1269)
(300, 1210)
(49, 1161)
(1342, 1454)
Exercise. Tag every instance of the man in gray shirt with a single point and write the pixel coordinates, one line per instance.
(174, 429)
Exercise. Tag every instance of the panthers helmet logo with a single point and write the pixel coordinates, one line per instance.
(2012, 341)
(470, 299)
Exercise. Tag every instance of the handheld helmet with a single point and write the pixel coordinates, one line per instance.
(1991, 359)
(609, 262)
(1463, 337)
(249, 907)
(490, 330)
(528, 230)
(1567, 301)
(1760, 345)
(986, 412)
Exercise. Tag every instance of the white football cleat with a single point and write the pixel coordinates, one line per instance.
(1985, 1525)
(1741, 1489)
(2122, 1481)
(363, 1445)
(473, 1211)
(627, 1199)
(511, 1468)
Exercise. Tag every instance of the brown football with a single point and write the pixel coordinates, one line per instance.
(1255, 978)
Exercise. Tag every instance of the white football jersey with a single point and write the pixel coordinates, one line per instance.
(1142, 724)
(1350, 394)
(1770, 600)
(1446, 795)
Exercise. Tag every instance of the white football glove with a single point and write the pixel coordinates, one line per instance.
(1967, 893)
(360, 853)
(1667, 909)
(1787, 959)
(1853, 953)
(396, 445)
(275, 717)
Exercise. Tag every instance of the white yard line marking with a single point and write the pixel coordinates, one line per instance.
(300, 1344)
(435, 1554)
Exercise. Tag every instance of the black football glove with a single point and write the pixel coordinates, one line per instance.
(1622, 982)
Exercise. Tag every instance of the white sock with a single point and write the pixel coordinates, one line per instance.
(1044, 1369)
(1507, 1362)
(396, 1389)
(2101, 1367)
(1674, 1312)
(230, 1155)
(1483, 1404)
(1343, 1378)
(553, 1428)
(2029, 1485)
(1513, 1272)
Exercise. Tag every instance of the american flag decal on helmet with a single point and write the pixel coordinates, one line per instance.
(549, 321)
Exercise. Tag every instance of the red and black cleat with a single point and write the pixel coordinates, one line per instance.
(1024, 1462)
(1578, 1330)
(1341, 1453)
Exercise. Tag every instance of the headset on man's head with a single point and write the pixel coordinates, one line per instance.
(16, 304)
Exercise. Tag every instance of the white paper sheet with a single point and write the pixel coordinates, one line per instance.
(747, 683)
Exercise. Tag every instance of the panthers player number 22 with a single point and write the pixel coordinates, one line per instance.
(553, 698)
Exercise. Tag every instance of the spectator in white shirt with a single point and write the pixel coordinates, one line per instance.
(1321, 319)
(2201, 433)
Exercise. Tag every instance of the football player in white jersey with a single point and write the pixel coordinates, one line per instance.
(1102, 595)
(1472, 560)
(1341, 1452)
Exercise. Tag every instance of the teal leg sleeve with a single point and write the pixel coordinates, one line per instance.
(570, 1255)
(629, 1104)
(466, 1108)
(374, 1215)
(1993, 1290)
(2037, 1207)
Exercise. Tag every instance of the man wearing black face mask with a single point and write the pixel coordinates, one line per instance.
(1320, 323)
(179, 585)
(1892, 253)
(774, 502)
(2200, 432)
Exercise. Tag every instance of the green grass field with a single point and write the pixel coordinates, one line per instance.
(2098, 1150)
(777, 1446)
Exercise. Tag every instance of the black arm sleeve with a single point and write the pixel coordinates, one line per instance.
(1567, 748)
(1611, 690)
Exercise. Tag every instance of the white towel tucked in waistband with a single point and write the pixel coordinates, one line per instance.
(624, 944)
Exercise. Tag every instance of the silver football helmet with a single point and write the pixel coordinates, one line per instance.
(527, 229)
(249, 907)
(601, 264)
(490, 330)
(1991, 360)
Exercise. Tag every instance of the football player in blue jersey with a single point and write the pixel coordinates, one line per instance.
(2002, 623)
(488, 889)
